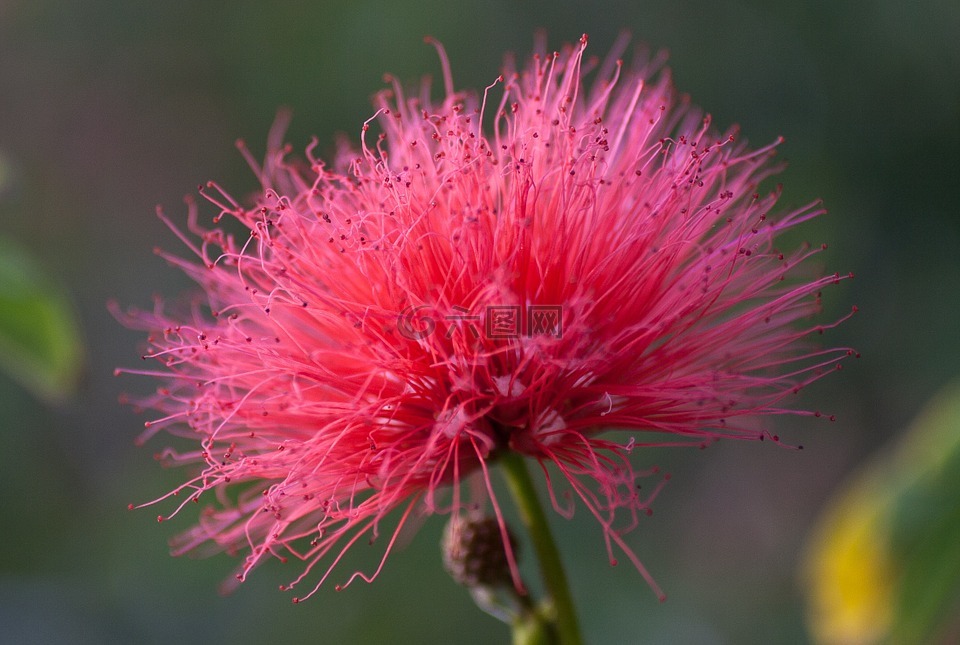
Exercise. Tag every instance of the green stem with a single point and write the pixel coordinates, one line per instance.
(531, 512)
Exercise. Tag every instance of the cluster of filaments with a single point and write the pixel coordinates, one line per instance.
(318, 413)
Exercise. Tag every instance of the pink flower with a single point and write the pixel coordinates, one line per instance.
(520, 270)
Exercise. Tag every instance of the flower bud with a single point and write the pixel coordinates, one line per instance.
(474, 553)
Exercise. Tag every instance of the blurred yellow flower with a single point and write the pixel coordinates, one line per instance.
(849, 573)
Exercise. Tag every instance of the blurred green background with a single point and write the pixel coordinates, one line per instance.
(109, 108)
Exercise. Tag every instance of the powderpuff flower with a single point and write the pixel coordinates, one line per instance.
(574, 251)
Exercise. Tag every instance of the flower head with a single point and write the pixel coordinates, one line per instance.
(515, 271)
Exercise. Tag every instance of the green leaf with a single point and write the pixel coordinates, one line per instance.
(925, 527)
(39, 342)
(884, 562)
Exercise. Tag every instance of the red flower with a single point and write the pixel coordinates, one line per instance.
(482, 275)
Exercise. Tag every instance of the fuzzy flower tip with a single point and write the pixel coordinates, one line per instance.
(520, 270)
